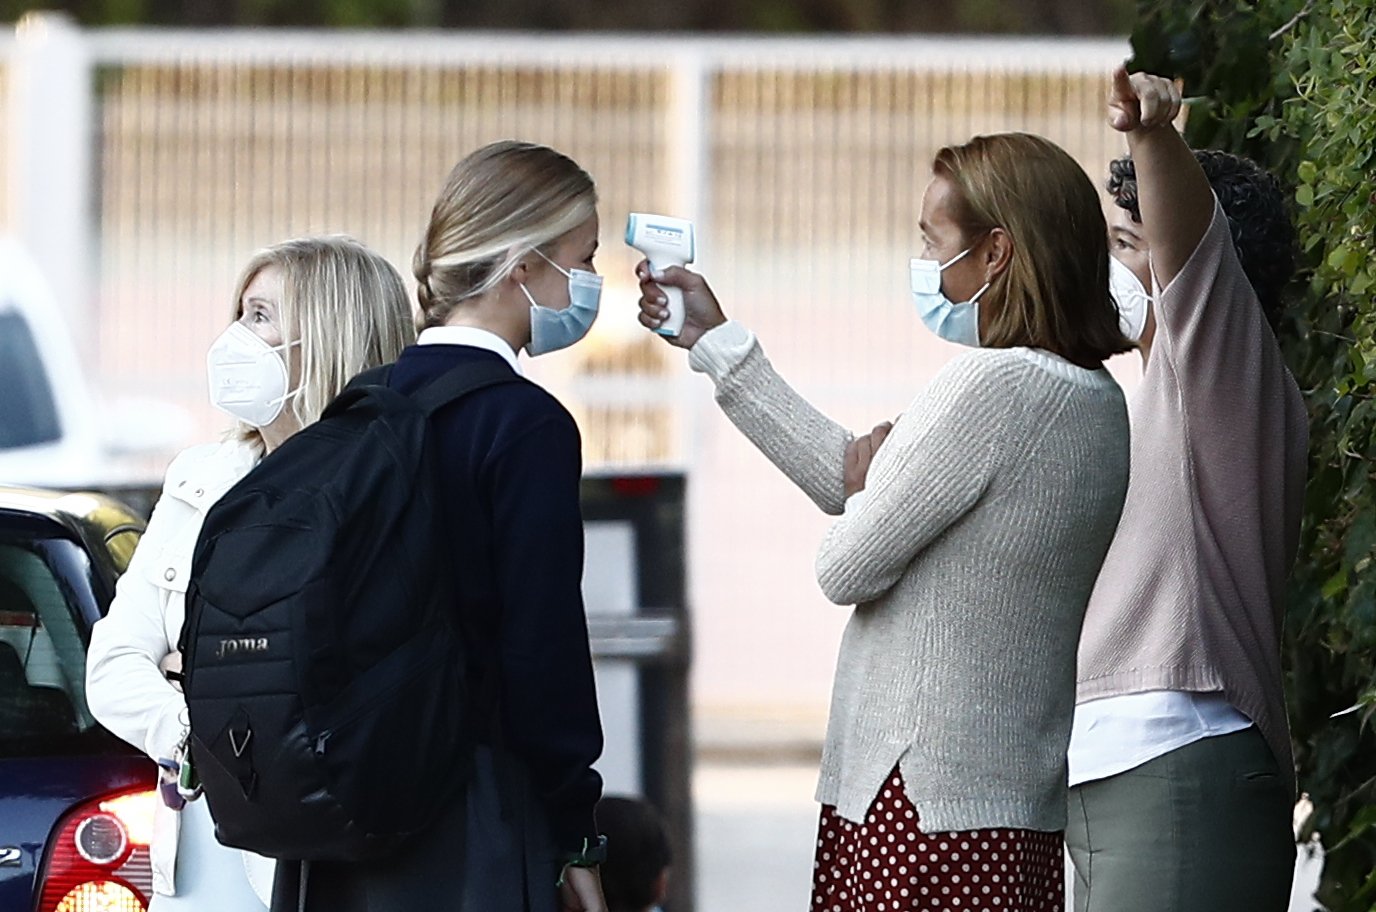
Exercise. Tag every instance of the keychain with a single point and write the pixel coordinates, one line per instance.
(188, 783)
(167, 784)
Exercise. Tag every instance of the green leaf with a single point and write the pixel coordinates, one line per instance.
(1364, 821)
(1336, 585)
(1361, 537)
(1344, 259)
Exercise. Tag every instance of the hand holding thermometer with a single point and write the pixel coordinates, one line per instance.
(666, 241)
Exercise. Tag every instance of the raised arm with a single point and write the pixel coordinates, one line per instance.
(1174, 196)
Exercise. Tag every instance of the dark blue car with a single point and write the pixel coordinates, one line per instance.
(76, 803)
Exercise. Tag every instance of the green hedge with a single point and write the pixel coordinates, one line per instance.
(1293, 85)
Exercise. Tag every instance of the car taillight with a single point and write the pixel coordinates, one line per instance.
(99, 860)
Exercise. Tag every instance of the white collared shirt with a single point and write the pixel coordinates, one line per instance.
(1112, 735)
(474, 337)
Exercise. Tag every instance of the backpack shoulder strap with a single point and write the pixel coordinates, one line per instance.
(374, 376)
(371, 384)
(462, 380)
(453, 384)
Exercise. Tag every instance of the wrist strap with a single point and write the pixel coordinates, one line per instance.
(592, 854)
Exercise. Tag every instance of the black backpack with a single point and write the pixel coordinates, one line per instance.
(322, 659)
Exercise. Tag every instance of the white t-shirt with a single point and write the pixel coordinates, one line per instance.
(1117, 734)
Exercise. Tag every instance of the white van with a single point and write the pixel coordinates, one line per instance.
(52, 432)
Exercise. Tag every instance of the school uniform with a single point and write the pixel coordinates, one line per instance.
(511, 466)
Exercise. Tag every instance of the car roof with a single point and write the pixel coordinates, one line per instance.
(92, 518)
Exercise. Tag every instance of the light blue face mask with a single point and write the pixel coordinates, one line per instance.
(550, 329)
(953, 322)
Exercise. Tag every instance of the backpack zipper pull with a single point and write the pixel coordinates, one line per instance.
(320, 741)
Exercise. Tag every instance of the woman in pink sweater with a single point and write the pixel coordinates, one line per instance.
(1180, 765)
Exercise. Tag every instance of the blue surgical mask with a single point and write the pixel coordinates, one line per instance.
(550, 329)
(953, 322)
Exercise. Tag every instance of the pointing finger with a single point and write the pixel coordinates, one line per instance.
(1121, 88)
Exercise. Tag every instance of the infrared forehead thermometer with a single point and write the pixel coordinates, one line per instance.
(666, 241)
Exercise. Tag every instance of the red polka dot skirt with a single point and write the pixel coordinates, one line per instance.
(887, 864)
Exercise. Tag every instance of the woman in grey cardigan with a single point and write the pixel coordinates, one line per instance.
(969, 541)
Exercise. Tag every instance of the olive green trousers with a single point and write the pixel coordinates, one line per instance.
(1204, 828)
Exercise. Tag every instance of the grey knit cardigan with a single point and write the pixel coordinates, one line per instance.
(970, 558)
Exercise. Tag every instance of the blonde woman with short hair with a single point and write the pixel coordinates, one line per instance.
(308, 315)
(969, 536)
(505, 265)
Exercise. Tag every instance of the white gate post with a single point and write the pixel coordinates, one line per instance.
(690, 138)
(50, 178)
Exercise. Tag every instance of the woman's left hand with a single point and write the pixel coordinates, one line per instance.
(860, 453)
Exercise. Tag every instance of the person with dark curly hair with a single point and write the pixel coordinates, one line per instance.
(1254, 206)
(1182, 779)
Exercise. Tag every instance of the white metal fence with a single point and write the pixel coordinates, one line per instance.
(143, 168)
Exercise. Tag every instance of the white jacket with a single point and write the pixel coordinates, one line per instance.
(126, 690)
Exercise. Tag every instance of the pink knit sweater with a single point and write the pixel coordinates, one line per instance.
(1191, 594)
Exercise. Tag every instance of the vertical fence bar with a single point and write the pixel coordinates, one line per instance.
(689, 137)
(50, 161)
(689, 133)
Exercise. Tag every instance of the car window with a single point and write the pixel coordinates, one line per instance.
(45, 591)
(28, 414)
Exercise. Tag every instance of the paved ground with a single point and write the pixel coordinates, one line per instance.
(755, 829)
(755, 826)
